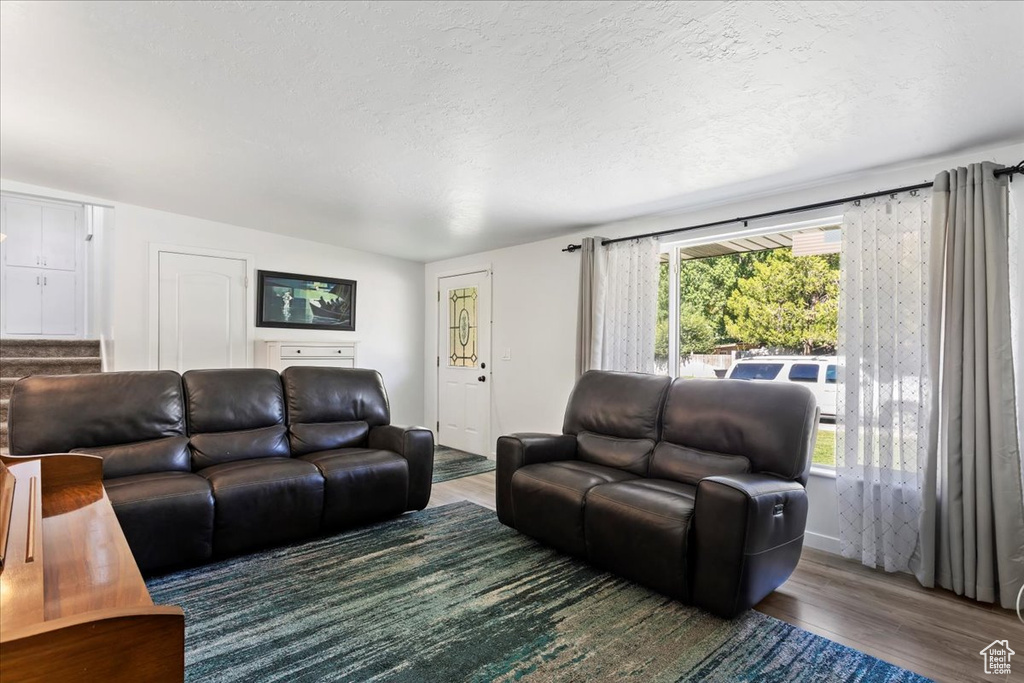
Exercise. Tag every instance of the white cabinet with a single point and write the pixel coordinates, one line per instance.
(42, 271)
(40, 302)
(23, 301)
(22, 226)
(59, 302)
(41, 235)
(279, 355)
(58, 244)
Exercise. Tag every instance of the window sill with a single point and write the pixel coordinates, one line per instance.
(823, 472)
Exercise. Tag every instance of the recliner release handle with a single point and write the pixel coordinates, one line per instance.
(777, 512)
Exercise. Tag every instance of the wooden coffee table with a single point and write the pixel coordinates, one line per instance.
(73, 605)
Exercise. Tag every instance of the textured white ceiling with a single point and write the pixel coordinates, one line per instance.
(427, 130)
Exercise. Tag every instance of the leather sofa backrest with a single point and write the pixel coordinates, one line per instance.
(724, 426)
(135, 420)
(170, 454)
(333, 407)
(616, 418)
(234, 415)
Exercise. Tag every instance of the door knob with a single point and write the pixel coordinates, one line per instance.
(481, 378)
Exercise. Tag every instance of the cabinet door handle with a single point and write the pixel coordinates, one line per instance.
(37, 279)
(44, 281)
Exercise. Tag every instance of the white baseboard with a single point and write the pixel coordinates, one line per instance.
(829, 544)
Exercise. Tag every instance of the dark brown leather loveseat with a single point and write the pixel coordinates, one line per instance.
(692, 487)
(218, 462)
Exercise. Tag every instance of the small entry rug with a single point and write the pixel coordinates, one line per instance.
(450, 463)
(449, 594)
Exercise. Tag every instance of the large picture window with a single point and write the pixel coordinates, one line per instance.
(759, 308)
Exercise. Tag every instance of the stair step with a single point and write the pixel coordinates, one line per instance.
(6, 386)
(15, 367)
(49, 348)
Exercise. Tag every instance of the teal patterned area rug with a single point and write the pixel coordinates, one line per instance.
(450, 463)
(449, 594)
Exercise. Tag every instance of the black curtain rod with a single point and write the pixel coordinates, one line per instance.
(1009, 171)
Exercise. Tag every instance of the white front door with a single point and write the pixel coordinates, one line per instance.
(202, 312)
(464, 362)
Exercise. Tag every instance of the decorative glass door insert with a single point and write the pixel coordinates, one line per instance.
(462, 328)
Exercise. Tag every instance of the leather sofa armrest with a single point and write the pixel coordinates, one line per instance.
(748, 532)
(519, 450)
(416, 445)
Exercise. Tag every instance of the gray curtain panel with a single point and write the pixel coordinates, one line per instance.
(585, 313)
(972, 509)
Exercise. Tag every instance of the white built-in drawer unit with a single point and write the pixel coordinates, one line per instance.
(279, 355)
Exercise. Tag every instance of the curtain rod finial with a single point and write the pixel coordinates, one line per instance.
(573, 247)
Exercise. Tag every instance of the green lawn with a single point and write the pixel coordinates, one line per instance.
(825, 448)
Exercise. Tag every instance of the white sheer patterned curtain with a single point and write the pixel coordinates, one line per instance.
(625, 307)
(884, 388)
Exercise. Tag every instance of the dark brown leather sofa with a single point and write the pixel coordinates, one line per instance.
(692, 487)
(213, 463)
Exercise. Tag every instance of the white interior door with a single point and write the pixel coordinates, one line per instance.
(202, 312)
(463, 364)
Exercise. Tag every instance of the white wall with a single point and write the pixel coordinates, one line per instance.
(100, 295)
(389, 311)
(535, 290)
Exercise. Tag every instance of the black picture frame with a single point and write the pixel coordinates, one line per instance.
(290, 300)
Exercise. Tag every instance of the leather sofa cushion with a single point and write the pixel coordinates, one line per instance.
(325, 436)
(361, 485)
(640, 529)
(548, 500)
(335, 395)
(166, 517)
(231, 400)
(689, 465)
(631, 455)
(159, 455)
(770, 423)
(221, 447)
(264, 502)
(619, 404)
(91, 410)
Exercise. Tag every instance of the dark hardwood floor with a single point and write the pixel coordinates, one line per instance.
(889, 616)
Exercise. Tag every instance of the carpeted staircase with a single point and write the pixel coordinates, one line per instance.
(20, 358)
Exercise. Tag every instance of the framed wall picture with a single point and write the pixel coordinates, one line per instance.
(305, 302)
